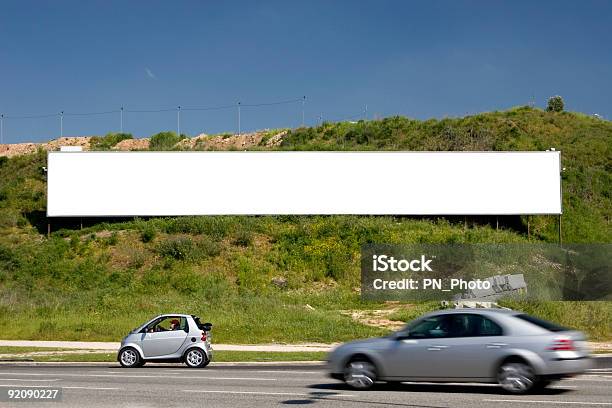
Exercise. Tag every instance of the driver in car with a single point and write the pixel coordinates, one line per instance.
(174, 324)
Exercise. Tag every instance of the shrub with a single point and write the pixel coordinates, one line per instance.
(164, 141)
(148, 234)
(180, 249)
(555, 104)
(8, 218)
(8, 260)
(243, 238)
(207, 248)
(113, 239)
(108, 141)
(186, 249)
(216, 227)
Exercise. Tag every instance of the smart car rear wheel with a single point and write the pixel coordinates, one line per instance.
(129, 357)
(516, 377)
(360, 373)
(196, 358)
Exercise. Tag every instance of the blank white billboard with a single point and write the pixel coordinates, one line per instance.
(211, 183)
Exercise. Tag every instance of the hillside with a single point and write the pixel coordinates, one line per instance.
(284, 279)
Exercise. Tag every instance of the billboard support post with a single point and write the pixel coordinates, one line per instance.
(528, 228)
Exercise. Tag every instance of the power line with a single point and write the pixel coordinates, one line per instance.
(149, 111)
(90, 113)
(29, 116)
(273, 103)
(190, 108)
(209, 108)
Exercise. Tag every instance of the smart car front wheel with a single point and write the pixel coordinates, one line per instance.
(129, 357)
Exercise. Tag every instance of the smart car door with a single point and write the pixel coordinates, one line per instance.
(163, 343)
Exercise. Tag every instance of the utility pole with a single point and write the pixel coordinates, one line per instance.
(62, 124)
(303, 103)
(178, 120)
(2, 128)
(121, 120)
(365, 113)
(238, 118)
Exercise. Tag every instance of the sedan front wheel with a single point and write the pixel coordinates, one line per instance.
(360, 374)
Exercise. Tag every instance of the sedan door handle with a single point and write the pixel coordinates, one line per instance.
(496, 345)
(436, 347)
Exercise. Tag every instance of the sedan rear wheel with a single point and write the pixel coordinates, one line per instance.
(129, 358)
(360, 374)
(516, 378)
(196, 358)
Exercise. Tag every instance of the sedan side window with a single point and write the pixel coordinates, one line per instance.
(430, 327)
(488, 327)
(473, 325)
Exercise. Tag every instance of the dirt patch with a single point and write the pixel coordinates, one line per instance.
(132, 144)
(262, 138)
(17, 149)
(232, 142)
(378, 317)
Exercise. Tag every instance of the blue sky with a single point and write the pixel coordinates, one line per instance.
(417, 58)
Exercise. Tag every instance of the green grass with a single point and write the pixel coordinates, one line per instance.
(99, 282)
(219, 356)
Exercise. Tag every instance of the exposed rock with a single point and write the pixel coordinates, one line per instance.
(132, 144)
(279, 281)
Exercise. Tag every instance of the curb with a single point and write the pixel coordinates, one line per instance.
(292, 364)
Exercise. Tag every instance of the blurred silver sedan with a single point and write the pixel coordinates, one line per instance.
(516, 350)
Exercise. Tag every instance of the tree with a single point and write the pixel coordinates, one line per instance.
(555, 104)
(164, 141)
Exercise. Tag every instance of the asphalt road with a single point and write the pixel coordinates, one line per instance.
(276, 385)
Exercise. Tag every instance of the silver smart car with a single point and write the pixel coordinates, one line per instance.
(516, 350)
(168, 338)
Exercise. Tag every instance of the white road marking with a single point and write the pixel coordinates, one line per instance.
(23, 379)
(295, 394)
(289, 372)
(24, 386)
(181, 378)
(591, 378)
(92, 388)
(547, 401)
(144, 376)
